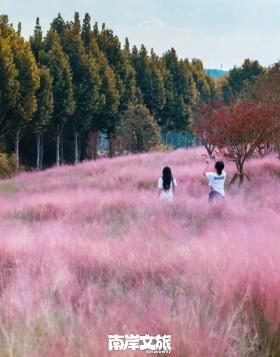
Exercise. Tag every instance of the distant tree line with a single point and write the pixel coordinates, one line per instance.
(59, 90)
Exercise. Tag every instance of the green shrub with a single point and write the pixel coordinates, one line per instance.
(7, 165)
(138, 131)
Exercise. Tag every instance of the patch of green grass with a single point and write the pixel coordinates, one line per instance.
(116, 221)
(10, 188)
(268, 333)
(39, 213)
(145, 185)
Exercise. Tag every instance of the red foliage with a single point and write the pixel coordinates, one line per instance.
(203, 123)
(241, 129)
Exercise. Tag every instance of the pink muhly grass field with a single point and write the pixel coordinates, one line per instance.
(88, 251)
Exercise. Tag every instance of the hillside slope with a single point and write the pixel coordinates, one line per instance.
(88, 251)
(216, 73)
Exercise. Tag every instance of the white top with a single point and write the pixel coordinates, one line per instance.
(166, 195)
(216, 181)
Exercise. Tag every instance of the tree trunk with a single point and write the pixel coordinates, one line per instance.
(17, 150)
(241, 178)
(38, 150)
(2, 124)
(76, 148)
(111, 145)
(58, 149)
(79, 148)
(61, 149)
(278, 150)
(94, 145)
(241, 174)
(41, 153)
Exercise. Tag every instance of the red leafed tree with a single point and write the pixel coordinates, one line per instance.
(202, 125)
(239, 130)
(266, 89)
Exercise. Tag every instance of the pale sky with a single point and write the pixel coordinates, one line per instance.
(219, 32)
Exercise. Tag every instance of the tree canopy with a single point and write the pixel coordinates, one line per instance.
(77, 80)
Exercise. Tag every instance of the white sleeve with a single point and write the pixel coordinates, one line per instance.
(160, 183)
(208, 175)
(174, 182)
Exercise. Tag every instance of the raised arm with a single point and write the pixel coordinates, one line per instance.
(174, 184)
(206, 168)
(159, 186)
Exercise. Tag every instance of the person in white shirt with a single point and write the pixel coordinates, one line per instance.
(216, 180)
(166, 185)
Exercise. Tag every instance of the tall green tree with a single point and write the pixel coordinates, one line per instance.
(36, 41)
(181, 93)
(64, 103)
(42, 116)
(105, 119)
(26, 82)
(119, 61)
(86, 82)
(150, 79)
(29, 82)
(9, 88)
(240, 79)
(205, 85)
(58, 26)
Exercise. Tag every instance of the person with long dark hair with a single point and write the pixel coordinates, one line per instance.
(166, 185)
(216, 180)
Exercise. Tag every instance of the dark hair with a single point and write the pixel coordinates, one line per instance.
(167, 178)
(219, 166)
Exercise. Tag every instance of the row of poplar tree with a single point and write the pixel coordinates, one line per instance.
(77, 80)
